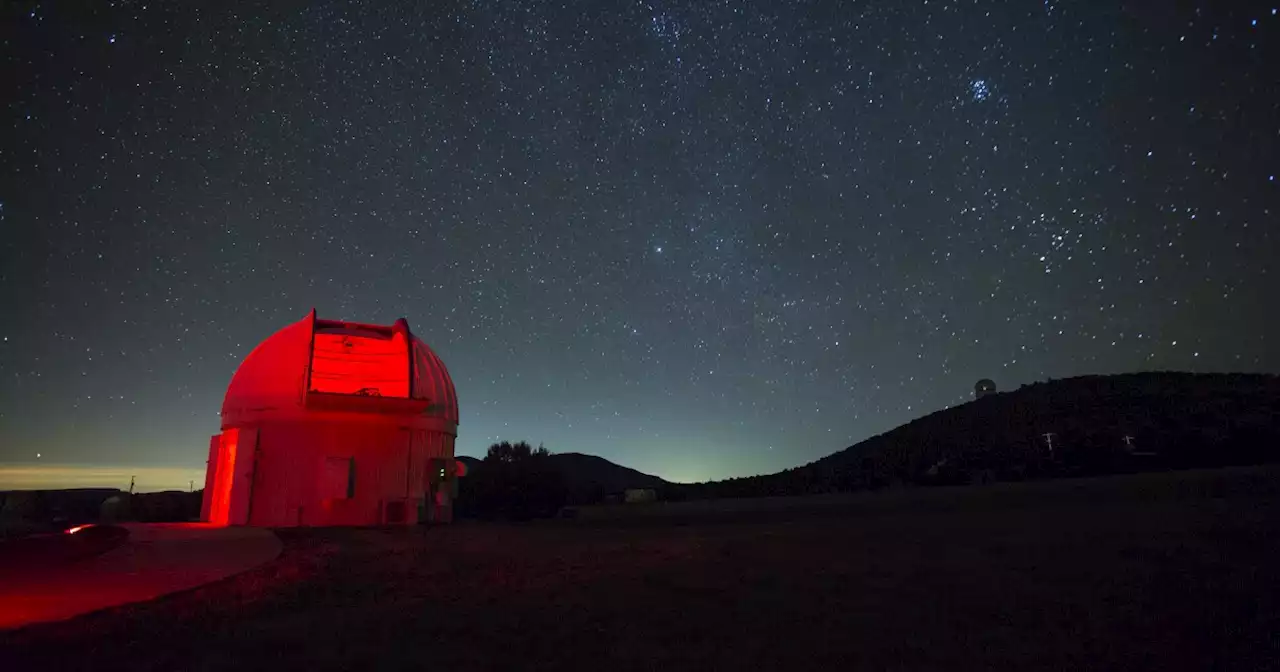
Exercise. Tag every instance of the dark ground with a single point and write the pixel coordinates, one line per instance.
(1175, 571)
(58, 548)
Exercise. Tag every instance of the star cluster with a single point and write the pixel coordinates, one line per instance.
(701, 239)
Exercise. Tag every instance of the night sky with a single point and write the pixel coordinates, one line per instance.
(700, 239)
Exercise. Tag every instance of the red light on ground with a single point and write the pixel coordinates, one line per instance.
(77, 528)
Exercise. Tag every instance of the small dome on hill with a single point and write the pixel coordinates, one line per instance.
(984, 387)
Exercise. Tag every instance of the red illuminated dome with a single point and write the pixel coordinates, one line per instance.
(299, 366)
(335, 423)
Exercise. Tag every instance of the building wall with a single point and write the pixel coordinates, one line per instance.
(439, 498)
(210, 475)
(439, 493)
(299, 469)
(224, 465)
(241, 445)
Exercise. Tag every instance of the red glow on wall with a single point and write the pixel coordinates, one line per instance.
(220, 506)
(361, 362)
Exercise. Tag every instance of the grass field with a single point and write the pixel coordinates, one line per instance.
(1176, 571)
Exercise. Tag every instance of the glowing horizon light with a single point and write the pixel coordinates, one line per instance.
(43, 475)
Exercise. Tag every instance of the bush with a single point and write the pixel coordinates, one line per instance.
(514, 482)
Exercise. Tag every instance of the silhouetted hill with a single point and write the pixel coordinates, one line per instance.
(1172, 420)
(589, 478)
(471, 462)
(586, 478)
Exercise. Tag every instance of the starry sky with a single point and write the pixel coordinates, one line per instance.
(702, 239)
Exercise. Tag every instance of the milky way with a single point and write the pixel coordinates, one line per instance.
(701, 239)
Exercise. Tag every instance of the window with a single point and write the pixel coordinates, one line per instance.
(339, 478)
(366, 362)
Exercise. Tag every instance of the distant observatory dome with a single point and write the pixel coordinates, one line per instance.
(984, 387)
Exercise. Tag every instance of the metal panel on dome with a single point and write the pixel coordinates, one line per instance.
(431, 381)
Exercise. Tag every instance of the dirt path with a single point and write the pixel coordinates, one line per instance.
(157, 559)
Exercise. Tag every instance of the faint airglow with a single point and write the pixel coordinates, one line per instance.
(45, 476)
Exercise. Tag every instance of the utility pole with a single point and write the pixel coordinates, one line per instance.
(191, 486)
(131, 480)
(1048, 440)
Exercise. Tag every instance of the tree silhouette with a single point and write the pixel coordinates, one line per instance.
(514, 453)
(515, 481)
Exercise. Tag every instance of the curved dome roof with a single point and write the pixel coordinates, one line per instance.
(315, 360)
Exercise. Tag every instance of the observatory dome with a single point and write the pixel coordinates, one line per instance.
(984, 387)
(300, 366)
